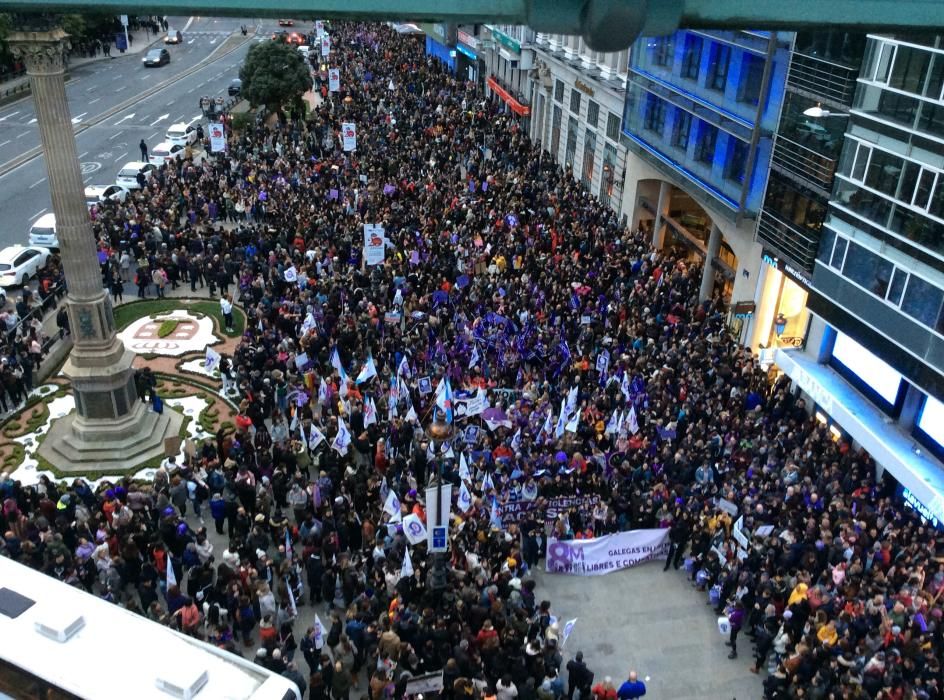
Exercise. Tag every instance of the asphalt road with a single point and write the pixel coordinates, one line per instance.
(99, 87)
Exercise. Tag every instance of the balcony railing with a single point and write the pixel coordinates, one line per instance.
(822, 79)
(803, 162)
(797, 243)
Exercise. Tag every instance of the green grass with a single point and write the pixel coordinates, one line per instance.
(126, 314)
(167, 327)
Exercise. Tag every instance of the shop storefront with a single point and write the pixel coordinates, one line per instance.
(782, 316)
(439, 41)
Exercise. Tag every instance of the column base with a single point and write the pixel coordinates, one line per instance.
(80, 445)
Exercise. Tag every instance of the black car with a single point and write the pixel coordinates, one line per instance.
(156, 57)
(235, 87)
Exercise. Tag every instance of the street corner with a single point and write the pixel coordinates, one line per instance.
(171, 333)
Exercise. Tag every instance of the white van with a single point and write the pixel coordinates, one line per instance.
(43, 232)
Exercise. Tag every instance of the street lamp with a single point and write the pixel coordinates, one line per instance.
(818, 112)
(439, 431)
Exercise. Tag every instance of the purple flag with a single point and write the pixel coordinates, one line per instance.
(389, 189)
(332, 194)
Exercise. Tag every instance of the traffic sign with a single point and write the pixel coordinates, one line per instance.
(439, 539)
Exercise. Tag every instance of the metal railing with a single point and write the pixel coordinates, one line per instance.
(804, 162)
(822, 78)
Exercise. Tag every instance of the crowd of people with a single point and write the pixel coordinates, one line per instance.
(501, 276)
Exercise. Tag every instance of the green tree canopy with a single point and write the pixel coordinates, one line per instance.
(274, 74)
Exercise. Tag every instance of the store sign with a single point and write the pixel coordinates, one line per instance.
(791, 270)
(468, 39)
(813, 388)
(583, 87)
(924, 511)
(744, 309)
(505, 40)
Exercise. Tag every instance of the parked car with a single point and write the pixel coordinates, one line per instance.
(128, 175)
(43, 232)
(235, 87)
(98, 194)
(19, 264)
(173, 37)
(156, 57)
(286, 23)
(166, 151)
(181, 134)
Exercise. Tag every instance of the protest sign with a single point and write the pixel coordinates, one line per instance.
(603, 555)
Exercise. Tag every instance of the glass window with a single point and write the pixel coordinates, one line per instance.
(910, 69)
(863, 153)
(691, 59)
(612, 126)
(575, 101)
(826, 241)
(885, 54)
(936, 206)
(593, 113)
(884, 172)
(718, 66)
(572, 127)
(654, 119)
(922, 301)
(681, 128)
(839, 253)
(736, 161)
(922, 195)
(931, 119)
(556, 131)
(935, 81)
(589, 154)
(705, 144)
(899, 278)
(867, 269)
(896, 107)
(559, 90)
(752, 74)
(662, 49)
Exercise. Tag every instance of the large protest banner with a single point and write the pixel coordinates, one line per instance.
(547, 509)
(603, 555)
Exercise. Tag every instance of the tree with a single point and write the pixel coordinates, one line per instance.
(274, 74)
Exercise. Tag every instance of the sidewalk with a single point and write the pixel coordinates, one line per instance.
(141, 41)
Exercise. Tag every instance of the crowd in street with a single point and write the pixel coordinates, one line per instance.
(501, 275)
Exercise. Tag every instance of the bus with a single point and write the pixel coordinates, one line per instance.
(58, 642)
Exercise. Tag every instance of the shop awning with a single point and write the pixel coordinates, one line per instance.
(891, 447)
(509, 99)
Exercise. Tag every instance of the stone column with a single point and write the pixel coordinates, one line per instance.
(108, 413)
(708, 273)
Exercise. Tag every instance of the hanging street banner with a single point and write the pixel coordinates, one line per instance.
(325, 45)
(546, 509)
(319, 28)
(334, 79)
(603, 555)
(217, 138)
(349, 136)
(374, 244)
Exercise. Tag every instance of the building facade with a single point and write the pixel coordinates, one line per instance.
(700, 111)
(577, 99)
(871, 361)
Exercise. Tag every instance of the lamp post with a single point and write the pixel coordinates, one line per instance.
(441, 432)
(818, 112)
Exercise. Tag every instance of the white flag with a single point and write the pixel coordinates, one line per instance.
(321, 633)
(343, 439)
(474, 360)
(368, 372)
(407, 569)
(404, 367)
(171, 575)
(572, 400)
(487, 483)
(323, 392)
(336, 363)
(384, 490)
(291, 274)
(414, 529)
(212, 361)
(392, 504)
(573, 423)
(411, 415)
(633, 423)
(612, 425)
(568, 628)
(464, 473)
(465, 498)
(624, 385)
(516, 441)
(548, 422)
(370, 412)
(315, 437)
(561, 420)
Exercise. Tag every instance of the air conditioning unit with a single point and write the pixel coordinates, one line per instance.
(60, 630)
(181, 682)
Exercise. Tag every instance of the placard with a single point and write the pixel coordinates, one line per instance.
(325, 45)
(349, 136)
(334, 79)
(217, 138)
(374, 247)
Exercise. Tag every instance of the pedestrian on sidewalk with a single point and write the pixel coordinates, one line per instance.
(631, 688)
(735, 619)
(226, 306)
(144, 151)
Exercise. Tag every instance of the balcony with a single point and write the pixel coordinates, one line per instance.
(793, 242)
(822, 80)
(516, 103)
(804, 163)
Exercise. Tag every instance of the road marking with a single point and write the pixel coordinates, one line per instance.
(121, 156)
(191, 90)
(76, 120)
(196, 118)
(38, 182)
(121, 88)
(11, 114)
(32, 121)
(25, 133)
(38, 214)
(123, 119)
(191, 41)
(159, 119)
(152, 136)
(82, 155)
(5, 142)
(212, 42)
(91, 88)
(91, 102)
(114, 136)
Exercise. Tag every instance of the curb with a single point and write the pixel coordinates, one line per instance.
(36, 151)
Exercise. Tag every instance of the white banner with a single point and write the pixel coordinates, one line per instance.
(374, 248)
(319, 28)
(325, 45)
(603, 555)
(334, 79)
(217, 138)
(349, 136)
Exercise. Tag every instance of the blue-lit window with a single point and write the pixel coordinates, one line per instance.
(868, 373)
(662, 50)
(736, 162)
(752, 75)
(705, 143)
(691, 59)
(654, 118)
(720, 59)
(867, 269)
(922, 301)
(681, 129)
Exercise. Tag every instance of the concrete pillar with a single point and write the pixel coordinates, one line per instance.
(109, 419)
(662, 208)
(708, 273)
